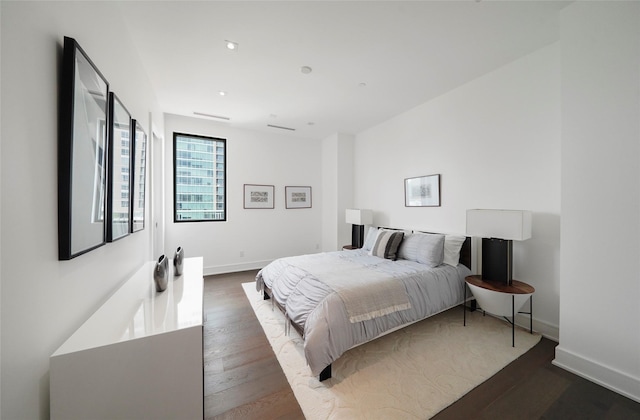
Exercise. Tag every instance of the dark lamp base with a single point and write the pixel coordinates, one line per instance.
(357, 236)
(496, 260)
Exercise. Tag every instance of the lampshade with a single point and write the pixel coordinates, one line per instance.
(503, 224)
(359, 217)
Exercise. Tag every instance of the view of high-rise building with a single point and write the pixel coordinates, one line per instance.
(139, 169)
(199, 178)
(119, 164)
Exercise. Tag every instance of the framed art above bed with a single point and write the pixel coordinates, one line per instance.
(422, 191)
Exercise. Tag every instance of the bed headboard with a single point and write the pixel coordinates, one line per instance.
(465, 253)
(465, 250)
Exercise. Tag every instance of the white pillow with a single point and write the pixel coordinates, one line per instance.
(370, 238)
(452, 246)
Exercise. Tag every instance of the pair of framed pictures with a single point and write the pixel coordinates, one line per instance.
(262, 197)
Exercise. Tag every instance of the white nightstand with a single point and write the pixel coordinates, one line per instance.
(501, 299)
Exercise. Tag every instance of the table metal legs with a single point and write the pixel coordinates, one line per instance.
(512, 321)
(513, 318)
(464, 305)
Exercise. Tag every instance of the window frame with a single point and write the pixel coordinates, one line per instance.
(214, 188)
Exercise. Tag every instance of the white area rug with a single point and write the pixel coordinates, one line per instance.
(412, 373)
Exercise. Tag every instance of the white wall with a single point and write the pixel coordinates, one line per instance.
(260, 234)
(496, 143)
(337, 190)
(0, 214)
(44, 300)
(599, 316)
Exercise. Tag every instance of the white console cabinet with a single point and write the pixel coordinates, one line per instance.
(139, 356)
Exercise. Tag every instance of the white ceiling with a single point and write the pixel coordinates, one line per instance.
(405, 52)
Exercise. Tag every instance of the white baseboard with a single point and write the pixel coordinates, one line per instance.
(552, 332)
(234, 268)
(543, 328)
(605, 376)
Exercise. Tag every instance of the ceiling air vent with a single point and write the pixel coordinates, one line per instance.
(218, 117)
(281, 127)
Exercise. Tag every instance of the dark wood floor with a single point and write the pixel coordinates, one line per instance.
(243, 379)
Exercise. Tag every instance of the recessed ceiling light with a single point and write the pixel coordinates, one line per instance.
(306, 69)
(222, 93)
(231, 45)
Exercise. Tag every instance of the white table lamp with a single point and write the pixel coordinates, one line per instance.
(498, 229)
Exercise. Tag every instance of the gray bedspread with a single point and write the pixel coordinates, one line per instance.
(320, 310)
(365, 292)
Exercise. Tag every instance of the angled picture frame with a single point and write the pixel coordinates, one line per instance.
(138, 176)
(82, 151)
(119, 169)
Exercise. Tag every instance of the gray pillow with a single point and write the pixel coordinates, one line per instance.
(425, 248)
(409, 248)
(431, 251)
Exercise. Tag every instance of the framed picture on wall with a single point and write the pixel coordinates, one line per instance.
(258, 196)
(118, 168)
(82, 151)
(422, 191)
(138, 175)
(297, 197)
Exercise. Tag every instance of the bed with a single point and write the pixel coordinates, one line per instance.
(340, 300)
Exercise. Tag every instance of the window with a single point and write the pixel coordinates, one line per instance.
(199, 178)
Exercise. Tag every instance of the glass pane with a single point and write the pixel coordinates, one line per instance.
(199, 189)
(88, 174)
